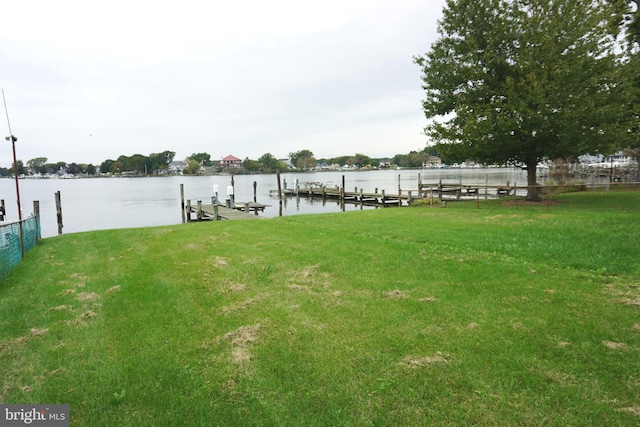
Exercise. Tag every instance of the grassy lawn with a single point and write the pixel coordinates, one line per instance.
(507, 314)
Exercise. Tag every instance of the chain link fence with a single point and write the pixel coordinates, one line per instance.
(11, 247)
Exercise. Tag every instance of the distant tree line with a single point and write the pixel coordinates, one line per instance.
(158, 163)
(137, 164)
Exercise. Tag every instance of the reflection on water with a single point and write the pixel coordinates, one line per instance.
(104, 203)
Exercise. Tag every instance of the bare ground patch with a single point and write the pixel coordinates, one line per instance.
(615, 345)
(428, 299)
(241, 340)
(113, 289)
(39, 332)
(234, 287)
(240, 306)
(87, 296)
(635, 410)
(396, 294)
(218, 261)
(422, 361)
(62, 308)
(308, 276)
(82, 319)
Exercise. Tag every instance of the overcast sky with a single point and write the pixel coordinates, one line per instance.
(88, 81)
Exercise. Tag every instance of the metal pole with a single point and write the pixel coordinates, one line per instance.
(15, 174)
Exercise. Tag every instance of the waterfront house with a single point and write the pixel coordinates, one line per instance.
(231, 162)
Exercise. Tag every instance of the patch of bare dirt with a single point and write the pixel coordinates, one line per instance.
(82, 318)
(564, 344)
(241, 340)
(427, 299)
(239, 306)
(396, 294)
(87, 296)
(422, 361)
(113, 289)
(61, 308)
(309, 276)
(615, 345)
(635, 410)
(234, 287)
(39, 332)
(219, 262)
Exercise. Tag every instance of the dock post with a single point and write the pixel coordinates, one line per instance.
(182, 201)
(342, 193)
(383, 202)
(399, 192)
(279, 192)
(419, 185)
(255, 189)
(59, 211)
(36, 212)
(440, 189)
(324, 193)
(214, 203)
(199, 214)
(361, 199)
(188, 209)
(3, 211)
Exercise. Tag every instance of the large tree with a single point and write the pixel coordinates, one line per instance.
(522, 81)
(36, 164)
(302, 159)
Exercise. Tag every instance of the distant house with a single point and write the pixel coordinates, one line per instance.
(385, 163)
(432, 162)
(231, 162)
(176, 167)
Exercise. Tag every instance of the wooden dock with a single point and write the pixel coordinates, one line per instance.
(376, 198)
(207, 212)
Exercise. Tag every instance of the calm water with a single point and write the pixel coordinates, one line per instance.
(105, 203)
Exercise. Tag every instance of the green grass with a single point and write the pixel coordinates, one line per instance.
(507, 314)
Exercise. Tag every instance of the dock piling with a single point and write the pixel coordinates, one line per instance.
(59, 211)
(182, 201)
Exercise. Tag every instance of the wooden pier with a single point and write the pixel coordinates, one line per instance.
(441, 191)
(209, 212)
(377, 198)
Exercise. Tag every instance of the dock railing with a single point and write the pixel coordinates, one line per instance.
(16, 239)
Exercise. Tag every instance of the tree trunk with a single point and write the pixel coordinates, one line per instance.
(532, 189)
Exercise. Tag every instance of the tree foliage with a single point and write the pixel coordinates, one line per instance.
(521, 81)
(192, 168)
(35, 165)
(271, 164)
(203, 158)
(302, 159)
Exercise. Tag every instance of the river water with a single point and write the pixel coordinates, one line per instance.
(107, 203)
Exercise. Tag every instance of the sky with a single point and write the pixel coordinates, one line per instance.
(89, 81)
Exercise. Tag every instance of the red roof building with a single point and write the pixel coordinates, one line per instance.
(231, 162)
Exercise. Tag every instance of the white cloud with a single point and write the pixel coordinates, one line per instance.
(86, 82)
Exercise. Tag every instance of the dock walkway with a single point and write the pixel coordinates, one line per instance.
(207, 212)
